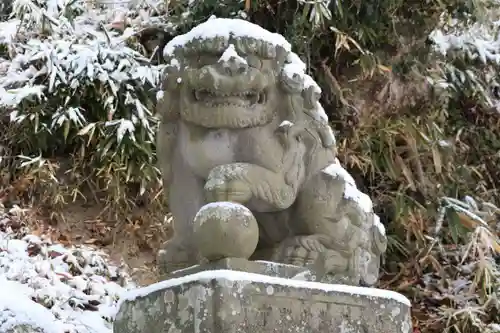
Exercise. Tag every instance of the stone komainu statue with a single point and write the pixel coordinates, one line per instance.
(242, 122)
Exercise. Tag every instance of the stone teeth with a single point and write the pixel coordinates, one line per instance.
(248, 98)
(221, 94)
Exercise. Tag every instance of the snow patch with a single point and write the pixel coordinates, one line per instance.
(218, 174)
(54, 288)
(223, 210)
(286, 123)
(17, 309)
(477, 40)
(225, 28)
(231, 54)
(322, 114)
(296, 67)
(337, 171)
(350, 191)
(378, 224)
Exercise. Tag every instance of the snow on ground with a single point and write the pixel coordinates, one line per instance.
(53, 288)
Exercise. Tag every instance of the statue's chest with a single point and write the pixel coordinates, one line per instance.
(204, 149)
(218, 145)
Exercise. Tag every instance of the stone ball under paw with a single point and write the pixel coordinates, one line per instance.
(225, 230)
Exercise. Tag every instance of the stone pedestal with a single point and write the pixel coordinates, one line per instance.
(230, 301)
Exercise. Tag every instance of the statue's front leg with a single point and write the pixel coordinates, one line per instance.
(260, 189)
(185, 198)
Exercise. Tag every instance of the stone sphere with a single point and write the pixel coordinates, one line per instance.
(225, 230)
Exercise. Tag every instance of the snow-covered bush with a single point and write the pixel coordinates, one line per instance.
(470, 48)
(51, 288)
(74, 82)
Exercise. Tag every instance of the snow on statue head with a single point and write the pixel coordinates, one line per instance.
(232, 73)
(241, 122)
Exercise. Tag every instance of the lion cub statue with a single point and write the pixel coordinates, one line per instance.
(242, 122)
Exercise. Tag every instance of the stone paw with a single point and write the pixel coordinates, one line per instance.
(233, 190)
(175, 256)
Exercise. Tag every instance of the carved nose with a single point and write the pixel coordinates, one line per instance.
(235, 66)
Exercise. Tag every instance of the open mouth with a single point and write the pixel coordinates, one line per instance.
(217, 98)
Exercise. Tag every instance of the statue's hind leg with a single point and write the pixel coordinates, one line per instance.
(338, 234)
(323, 231)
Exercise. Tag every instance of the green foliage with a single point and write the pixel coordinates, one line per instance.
(78, 89)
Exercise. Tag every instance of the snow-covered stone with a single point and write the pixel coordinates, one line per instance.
(245, 302)
(238, 28)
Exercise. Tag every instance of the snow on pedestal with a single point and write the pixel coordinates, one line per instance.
(233, 301)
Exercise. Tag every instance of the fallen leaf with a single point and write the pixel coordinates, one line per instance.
(495, 246)
(467, 221)
(63, 239)
(384, 68)
(53, 254)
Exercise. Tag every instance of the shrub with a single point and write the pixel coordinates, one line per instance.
(77, 92)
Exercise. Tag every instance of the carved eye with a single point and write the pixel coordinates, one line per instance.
(254, 61)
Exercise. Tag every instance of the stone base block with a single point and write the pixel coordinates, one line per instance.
(228, 301)
(243, 265)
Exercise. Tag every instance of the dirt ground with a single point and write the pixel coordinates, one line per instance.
(133, 241)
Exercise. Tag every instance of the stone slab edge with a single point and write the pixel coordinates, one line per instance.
(363, 309)
(237, 264)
